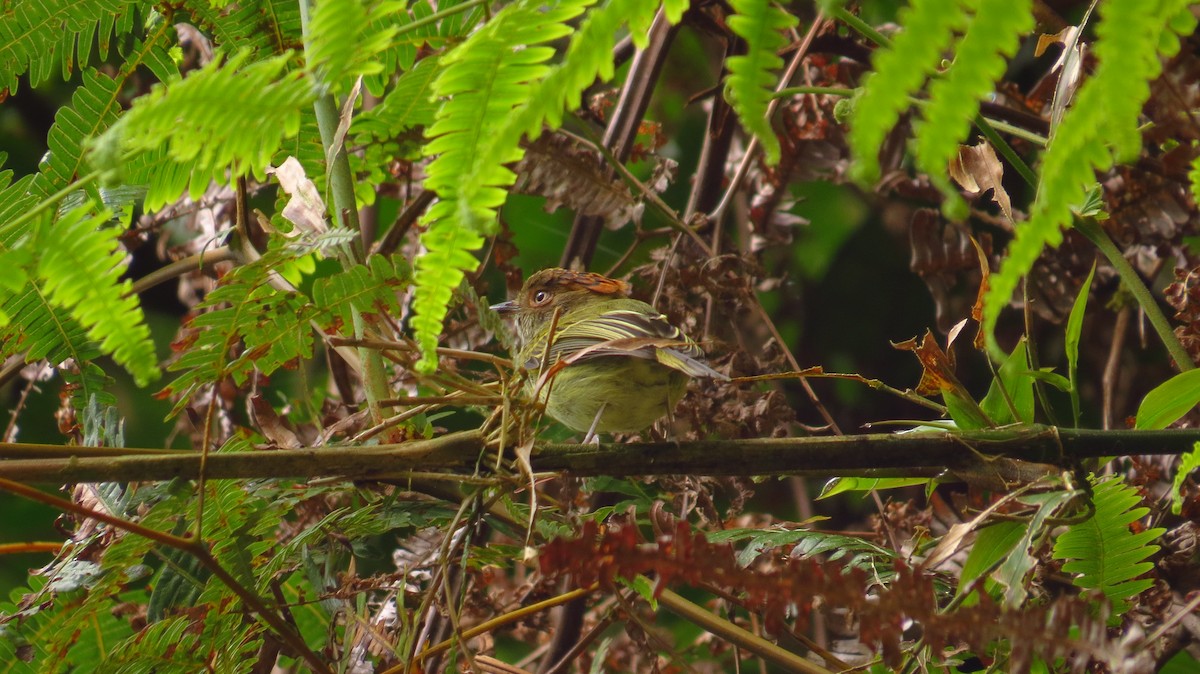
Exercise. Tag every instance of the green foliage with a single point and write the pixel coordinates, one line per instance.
(264, 27)
(1022, 558)
(899, 71)
(94, 107)
(246, 325)
(980, 58)
(844, 485)
(497, 94)
(202, 119)
(1101, 127)
(63, 330)
(751, 76)
(82, 263)
(483, 80)
(1194, 178)
(1104, 550)
(39, 37)
(213, 641)
(348, 36)
(75, 628)
(41, 330)
(1010, 397)
(369, 291)
(1187, 463)
(407, 105)
(418, 32)
(1169, 401)
(992, 545)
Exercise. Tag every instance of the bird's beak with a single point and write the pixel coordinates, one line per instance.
(505, 307)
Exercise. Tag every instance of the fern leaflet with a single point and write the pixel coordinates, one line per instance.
(899, 71)
(472, 176)
(1106, 111)
(31, 326)
(249, 326)
(409, 104)
(82, 263)
(1104, 551)
(41, 37)
(1188, 462)
(370, 291)
(264, 27)
(750, 82)
(979, 61)
(202, 118)
(348, 40)
(484, 79)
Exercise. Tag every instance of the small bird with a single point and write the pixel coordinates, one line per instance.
(623, 365)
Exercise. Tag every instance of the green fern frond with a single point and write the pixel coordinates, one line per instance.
(349, 38)
(15, 264)
(484, 79)
(472, 177)
(165, 179)
(1104, 551)
(449, 251)
(246, 325)
(408, 105)
(1194, 178)
(40, 37)
(1101, 127)
(979, 61)
(588, 58)
(38, 330)
(15, 200)
(305, 146)
(674, 9)
(751, 79)
(81, 262)
(433, 36)
(264, 27)
(900, 71)
(94, 107)
(152, 52)
(1188, 462)
(202, 119)
(369, 291)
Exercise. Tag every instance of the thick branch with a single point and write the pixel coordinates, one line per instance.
(1005, 454)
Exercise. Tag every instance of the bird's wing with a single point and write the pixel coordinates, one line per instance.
(623, 332)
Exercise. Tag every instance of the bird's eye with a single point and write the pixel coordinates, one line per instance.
(540, 297)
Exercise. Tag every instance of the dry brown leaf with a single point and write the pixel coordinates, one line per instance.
(569, 174)
(977, 170)
(305, 208)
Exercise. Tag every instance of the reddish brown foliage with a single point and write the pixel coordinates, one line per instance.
(787, 587)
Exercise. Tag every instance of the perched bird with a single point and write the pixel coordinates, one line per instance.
(618, 364)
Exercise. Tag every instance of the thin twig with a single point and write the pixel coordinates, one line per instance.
(1113, 362)
(404, 222)
(178, 268)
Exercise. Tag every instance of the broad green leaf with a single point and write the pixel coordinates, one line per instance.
(1169, 401)
(992, 544)
(1010, 397)
(839, 485)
